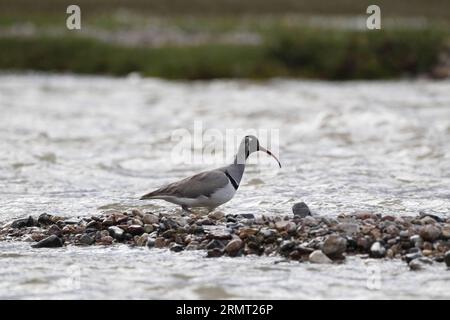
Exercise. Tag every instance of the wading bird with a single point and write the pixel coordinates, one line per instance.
(210, 189)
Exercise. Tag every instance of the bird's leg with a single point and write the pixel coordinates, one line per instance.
(185, 208)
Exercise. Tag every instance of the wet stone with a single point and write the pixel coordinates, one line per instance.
(86, 240)
(49, 242)
(334, 246)
(214, 253)
(116, 232)
(301, 210)
(348, 228)
(419, 263)
(213, 244)
(233, 247)
(430, 232)
(22, 223)
(54, 229)
(149, 218)
(411, 256)
(135, 229)
(447, 258)
(377, 250)
(176, 247)
(319, 257)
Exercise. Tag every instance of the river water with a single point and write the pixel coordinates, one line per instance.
(74, 146)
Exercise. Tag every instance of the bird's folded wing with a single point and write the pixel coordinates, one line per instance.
(202, 184)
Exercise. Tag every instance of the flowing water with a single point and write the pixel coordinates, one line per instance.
(74, 146)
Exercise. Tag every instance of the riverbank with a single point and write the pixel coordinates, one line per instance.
(419, 241)
(287, 52)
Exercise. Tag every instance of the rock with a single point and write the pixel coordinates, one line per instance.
(135, 230)
(22, 223)
(45, 219)
(287, 246)
(318, 256)
(300, 209)
(71, 221)
(416, 240)
(108, 222)
(94, 225)
(116, 232)
(377, 250)
(216, 215)
(233, 247)
(411, 256)
(348, 228)
(363, 215)
(219, 233)
(149, 218)
(86, 239)
(150, 242)
(430, 232)
(160, 242)
(137, 213)
(176, 247)
(213, 244)
(106, 240)
(49, 242)
(141, 240)
(427, 220)
(432, 216)
(334, 246)
(245, 216)
(148, 228)
(419, 263)
(214, 253)
(310, 221)
(247, 232)
(447, 258)
(54, 229)
(446, 231)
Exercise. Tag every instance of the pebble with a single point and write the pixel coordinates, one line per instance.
(233, 247)
(348, 228)
(216, 215)
(318, 256)
(49, 242)
(411, 256)
(116, 232)
(310, 221)
(22, 223)
(54, 229)
(334, 246)
(150, 242)
(447, 258)
(106, 240)
(377, 250)
(301, 210)
(214, 253)
(135, 229)
(430, 232)
(446, 231)
(86, 239)
(149, 218)
(176, 247)
(419, 263)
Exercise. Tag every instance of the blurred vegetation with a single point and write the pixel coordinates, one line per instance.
(288, 45)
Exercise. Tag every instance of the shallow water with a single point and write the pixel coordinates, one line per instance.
(75, 145)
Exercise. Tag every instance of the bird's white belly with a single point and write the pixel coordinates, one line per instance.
(217, 198)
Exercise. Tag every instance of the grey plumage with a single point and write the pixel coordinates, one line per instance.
(210, 188)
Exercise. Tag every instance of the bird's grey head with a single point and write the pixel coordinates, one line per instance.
(249, 145)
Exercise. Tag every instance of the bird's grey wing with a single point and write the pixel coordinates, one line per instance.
(202, 184)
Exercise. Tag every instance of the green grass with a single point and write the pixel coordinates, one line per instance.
(320, 54)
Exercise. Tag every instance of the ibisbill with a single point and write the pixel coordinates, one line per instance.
(210, 189)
